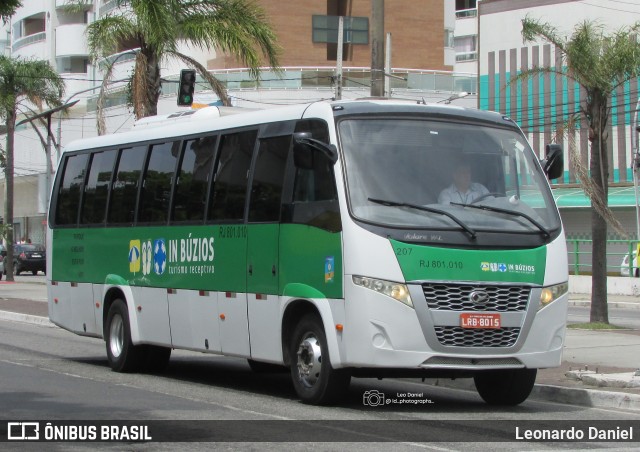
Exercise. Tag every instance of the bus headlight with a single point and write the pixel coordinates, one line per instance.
(394, 290)
(552, 293)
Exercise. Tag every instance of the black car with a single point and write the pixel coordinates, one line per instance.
(29, 257)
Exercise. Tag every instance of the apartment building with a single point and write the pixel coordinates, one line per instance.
(542, 104)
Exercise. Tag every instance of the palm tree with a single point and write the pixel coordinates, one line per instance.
(22, 80)
(599, 63)
(8, 8)
(155, 27)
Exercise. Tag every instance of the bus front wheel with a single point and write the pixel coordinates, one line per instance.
(123, 356)
(505, 387)
(314, 379)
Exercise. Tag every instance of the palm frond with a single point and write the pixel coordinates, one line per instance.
(237, 27)
(595, 193)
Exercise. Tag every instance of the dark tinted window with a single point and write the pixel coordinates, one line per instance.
(190, 197)
(125, 186)
(156, 188)
(96, 192)
(227, 200)
(268, 179)
(315, 197)
(70, 189)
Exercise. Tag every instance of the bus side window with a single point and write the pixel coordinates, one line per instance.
(71, 188)
(96, 192)
(190, 195)
(155, 194)
(229, 185)
(268, 179)
(124, 191)
(315, 197)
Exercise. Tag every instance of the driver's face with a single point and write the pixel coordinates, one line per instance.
(462, 177)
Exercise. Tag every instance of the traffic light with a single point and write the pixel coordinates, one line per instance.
(186, 88)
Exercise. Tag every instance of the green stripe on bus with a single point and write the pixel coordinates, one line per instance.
(420, 262)
(213, 257)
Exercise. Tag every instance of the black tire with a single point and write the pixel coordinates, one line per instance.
(122, 355)
(34, 272)
(266, 368)
(314, 379)
(505, 387)
(16, 269)
(156, 358)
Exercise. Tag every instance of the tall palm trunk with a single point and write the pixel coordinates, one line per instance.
(599, 174)
(8, 185)
(151, 85)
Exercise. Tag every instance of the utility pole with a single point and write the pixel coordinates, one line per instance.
(338, 94)
(377, 48)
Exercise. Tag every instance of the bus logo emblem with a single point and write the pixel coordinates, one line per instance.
(329, 271)
(134, 256)
(147, 253)
(479, 297)
(159, 256)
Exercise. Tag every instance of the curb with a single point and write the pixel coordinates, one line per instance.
(612, 304)
(26, 318)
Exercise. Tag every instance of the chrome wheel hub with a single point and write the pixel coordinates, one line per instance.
(116, 335)
(309, 360)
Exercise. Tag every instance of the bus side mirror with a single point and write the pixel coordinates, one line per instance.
(304, 148)
(553, 164)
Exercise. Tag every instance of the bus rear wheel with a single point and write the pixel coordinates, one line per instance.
(314, 379)
(505, 387)
(122, 355)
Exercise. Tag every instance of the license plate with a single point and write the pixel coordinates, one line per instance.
(36, 255)
(472, 320)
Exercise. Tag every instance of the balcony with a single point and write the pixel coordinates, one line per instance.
(63, 3)
(28, 40)
(71, 40)
(466, 13)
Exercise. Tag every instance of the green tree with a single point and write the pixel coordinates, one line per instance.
(8, 8)
(156, 27)
(22, 82)
(599, 63)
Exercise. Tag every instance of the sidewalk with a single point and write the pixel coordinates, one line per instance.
(598, 369)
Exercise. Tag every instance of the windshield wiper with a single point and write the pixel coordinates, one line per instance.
(470, 231)
(515, 213)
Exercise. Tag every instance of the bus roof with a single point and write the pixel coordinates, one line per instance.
(192, 122)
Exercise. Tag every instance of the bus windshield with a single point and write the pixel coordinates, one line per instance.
(413, 173)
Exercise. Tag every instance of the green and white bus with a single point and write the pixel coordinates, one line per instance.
(311, 237)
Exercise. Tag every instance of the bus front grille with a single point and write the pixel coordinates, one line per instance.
(458, 297)
(455, 336)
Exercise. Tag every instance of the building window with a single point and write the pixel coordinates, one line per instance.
(325, 29)
(466, 48)
(72, 65)
(466, 8)
(448, 38)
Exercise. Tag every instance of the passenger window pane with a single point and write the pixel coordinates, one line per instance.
(70, 190)
(268, 179)
(96, 192)
(125, 187)
(227, 200)
(193, 181)
(156, 188)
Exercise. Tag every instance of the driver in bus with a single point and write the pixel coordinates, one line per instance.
(462, 190)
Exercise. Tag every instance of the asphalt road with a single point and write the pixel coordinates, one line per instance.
(52, 375)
